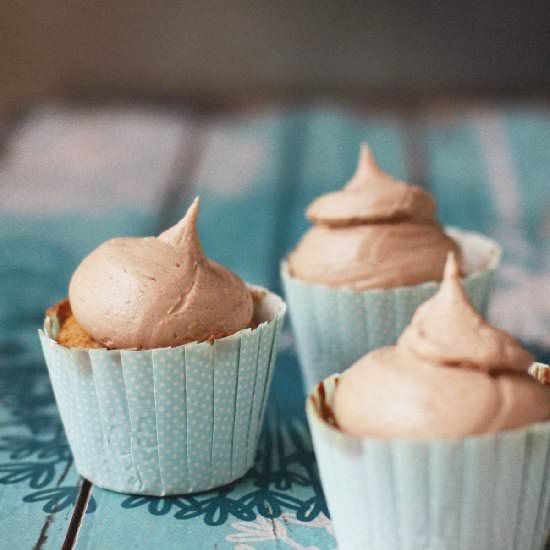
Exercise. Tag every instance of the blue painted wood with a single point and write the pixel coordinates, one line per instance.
(257, 172)
(457, 175)
(528, 132)
(38, 484)
(39, 250)
(486, 168)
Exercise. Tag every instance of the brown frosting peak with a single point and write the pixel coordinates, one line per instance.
(372, 196)
(447, 330)
(183, 235)
(376, 232)
(450, 375)
(160, 291)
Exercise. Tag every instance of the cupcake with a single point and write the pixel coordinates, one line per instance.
(161, 361)
(441, 441)
(373, 255)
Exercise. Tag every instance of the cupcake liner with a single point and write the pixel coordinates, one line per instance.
(335, 327)
(168, 420)
(478, 493)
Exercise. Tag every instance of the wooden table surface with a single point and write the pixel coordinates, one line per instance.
(73, 176)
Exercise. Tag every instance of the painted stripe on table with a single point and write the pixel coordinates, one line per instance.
(496, 153)
(528, 132)
(90, 159)
(504, 186)
(457, 174)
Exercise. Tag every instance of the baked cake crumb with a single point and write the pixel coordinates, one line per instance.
(71, 334)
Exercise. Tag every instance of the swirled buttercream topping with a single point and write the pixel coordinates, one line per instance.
(372, 196)
(450, 375)
(160, 291)
(377, 232)
(448, 330)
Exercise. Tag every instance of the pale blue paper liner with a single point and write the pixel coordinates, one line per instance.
(335, 327)
(479, 493)
(171, 420)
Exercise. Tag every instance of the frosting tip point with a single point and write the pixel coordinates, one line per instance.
(194, 206)
(192, 212)
(185, 229)
(367, 162)
(365, 154)
(451, 266)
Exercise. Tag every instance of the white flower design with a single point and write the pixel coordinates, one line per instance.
(321, 521)
(263, 530)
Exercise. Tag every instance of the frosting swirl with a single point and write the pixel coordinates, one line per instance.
(160, 291)
(448, 330)
(450, 375)
(376, 232)
(372, 196)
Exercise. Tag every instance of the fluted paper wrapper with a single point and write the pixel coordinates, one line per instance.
(169, 420)
(335, 327)
(479, 493)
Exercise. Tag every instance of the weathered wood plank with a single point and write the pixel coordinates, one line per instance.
(37, 481)
(521, 186)
(239, 183)
(256, 172)
(457, 173)
(487, 169)
(528, 136)
(64, 187)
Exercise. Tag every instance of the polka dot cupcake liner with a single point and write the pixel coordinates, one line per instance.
(170, 420)
(335, 327)
(481, 492)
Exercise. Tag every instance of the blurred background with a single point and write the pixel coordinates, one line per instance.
(216, 52)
